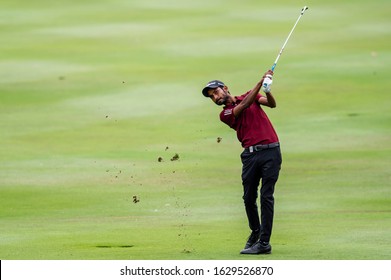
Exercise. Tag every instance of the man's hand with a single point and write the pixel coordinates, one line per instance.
(267, 81)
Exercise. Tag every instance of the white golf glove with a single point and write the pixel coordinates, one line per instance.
(267, 82)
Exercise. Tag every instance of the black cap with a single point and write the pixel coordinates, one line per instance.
(212, 84)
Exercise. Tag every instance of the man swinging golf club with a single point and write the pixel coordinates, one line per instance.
(261, 157)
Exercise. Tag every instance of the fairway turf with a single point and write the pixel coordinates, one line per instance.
(97, 99)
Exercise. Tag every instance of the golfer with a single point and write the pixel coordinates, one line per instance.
(261, 157)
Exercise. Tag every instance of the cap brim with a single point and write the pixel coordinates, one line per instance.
(205, 90)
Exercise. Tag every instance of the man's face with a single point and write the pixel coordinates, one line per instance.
(219, 95)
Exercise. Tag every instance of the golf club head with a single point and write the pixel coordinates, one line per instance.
(304, 9)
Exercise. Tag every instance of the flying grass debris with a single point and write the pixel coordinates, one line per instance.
(175, 157)
(135, 199)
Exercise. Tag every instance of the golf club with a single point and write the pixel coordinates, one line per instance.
(286, 41)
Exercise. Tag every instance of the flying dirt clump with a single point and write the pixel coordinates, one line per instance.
(135, 199)
(175, 157)
(219, 139)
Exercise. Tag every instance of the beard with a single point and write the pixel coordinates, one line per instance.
(222, 100)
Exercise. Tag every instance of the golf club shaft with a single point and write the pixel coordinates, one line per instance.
(286, 41)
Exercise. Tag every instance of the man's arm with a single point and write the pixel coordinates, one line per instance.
(251, 97)
(268, 100)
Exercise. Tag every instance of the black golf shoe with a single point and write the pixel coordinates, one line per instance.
(258, 248)
(252, 239)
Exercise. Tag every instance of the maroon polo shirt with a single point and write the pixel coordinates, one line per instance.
(252, 126)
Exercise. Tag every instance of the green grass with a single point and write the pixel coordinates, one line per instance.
(92, 94)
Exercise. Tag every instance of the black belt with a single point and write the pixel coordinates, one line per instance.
(257, 148)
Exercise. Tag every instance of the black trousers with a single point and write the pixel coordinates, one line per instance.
(260, 166)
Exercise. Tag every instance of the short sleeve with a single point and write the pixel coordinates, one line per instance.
(227, 116)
